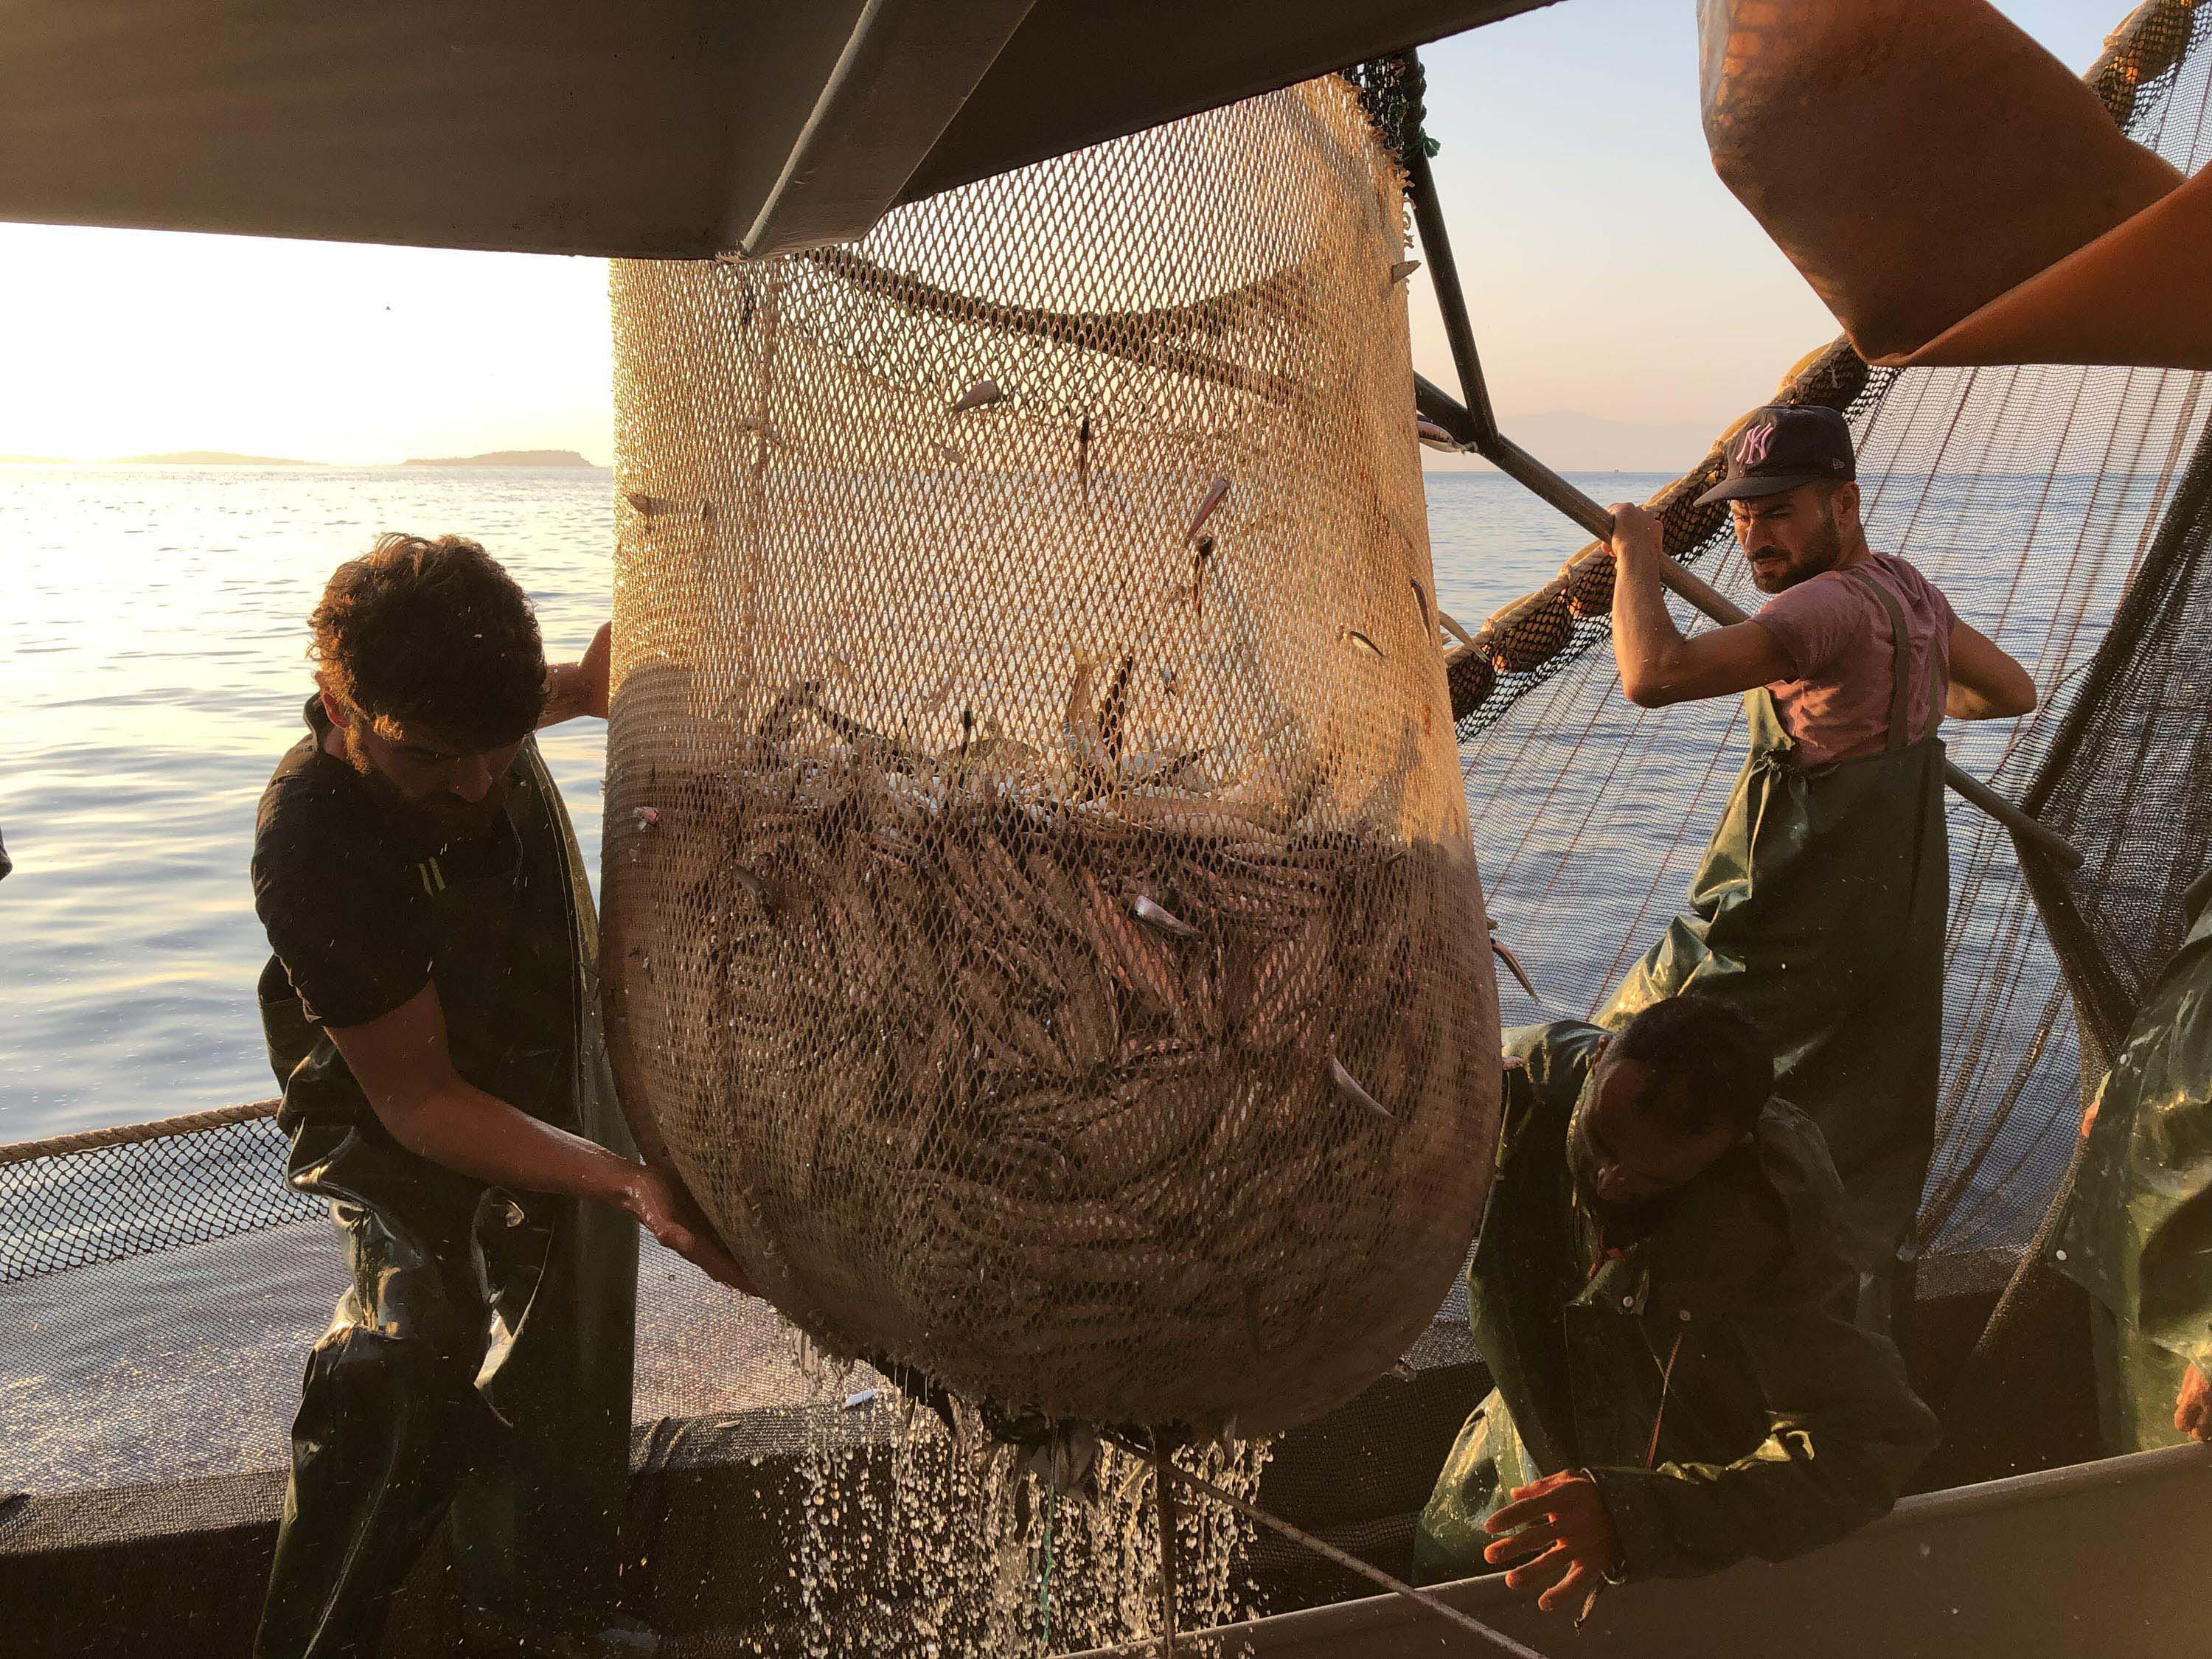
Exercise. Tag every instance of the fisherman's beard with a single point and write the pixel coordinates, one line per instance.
(1823, 552)
(434, 823)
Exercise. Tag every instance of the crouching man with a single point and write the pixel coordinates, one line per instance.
(1664, 1296)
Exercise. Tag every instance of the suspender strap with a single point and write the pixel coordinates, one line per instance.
(1900, 659)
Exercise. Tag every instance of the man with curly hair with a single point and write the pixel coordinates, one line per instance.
(431, 1012)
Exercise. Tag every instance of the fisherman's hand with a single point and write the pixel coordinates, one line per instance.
(1636, 535)
(1561, 1536)
(592, 671)
(579, 687)
(2192, 1406)
(665, 1211)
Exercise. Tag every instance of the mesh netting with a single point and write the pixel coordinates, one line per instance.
(1040, 918)
(2034, 497)
(132, 1192)
(177, 1354)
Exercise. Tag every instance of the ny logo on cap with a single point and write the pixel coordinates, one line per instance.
(1751, 448)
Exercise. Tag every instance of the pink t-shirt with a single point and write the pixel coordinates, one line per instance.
(1836, 637)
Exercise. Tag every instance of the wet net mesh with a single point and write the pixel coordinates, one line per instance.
(2038, 499)
(1040, 918)
(159, 1186)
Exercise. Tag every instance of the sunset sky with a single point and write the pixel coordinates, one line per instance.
(1612, 278)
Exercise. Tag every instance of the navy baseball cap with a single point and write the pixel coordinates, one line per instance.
(1783, 446)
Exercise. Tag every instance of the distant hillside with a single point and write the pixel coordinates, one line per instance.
(209, 458)
(506, 458)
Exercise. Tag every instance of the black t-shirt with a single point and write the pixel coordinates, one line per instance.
(345, 901)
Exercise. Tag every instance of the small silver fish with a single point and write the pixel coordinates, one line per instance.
(646, 817)
(1166, 921)
(1402, 269)
(1214, 492)
(981, 395)
(1363, 642)
(1435, 436)
(1348, 1086)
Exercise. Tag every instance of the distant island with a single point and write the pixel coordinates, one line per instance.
(209, 458)
(506, 458)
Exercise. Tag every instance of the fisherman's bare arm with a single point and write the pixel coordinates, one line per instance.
(403, 1064)
(574, 689)
(1658, 666)
(1986, 685)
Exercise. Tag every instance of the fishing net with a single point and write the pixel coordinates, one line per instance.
(2042, 500)
(1042, 925)
(154, 1187)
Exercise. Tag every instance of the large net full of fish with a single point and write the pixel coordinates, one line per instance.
(1042, 928)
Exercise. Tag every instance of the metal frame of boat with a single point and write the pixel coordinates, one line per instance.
(2102, 1560)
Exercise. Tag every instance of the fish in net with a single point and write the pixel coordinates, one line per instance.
(1042, 924)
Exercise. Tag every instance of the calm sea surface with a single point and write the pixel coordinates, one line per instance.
(152, 670)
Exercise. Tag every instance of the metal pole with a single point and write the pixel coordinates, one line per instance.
(1475, 424)
(1451, 300)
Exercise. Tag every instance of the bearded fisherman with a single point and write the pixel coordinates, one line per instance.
(432, 1013)
(1819, 907)
(1659, 1292)
(2138, 1229)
